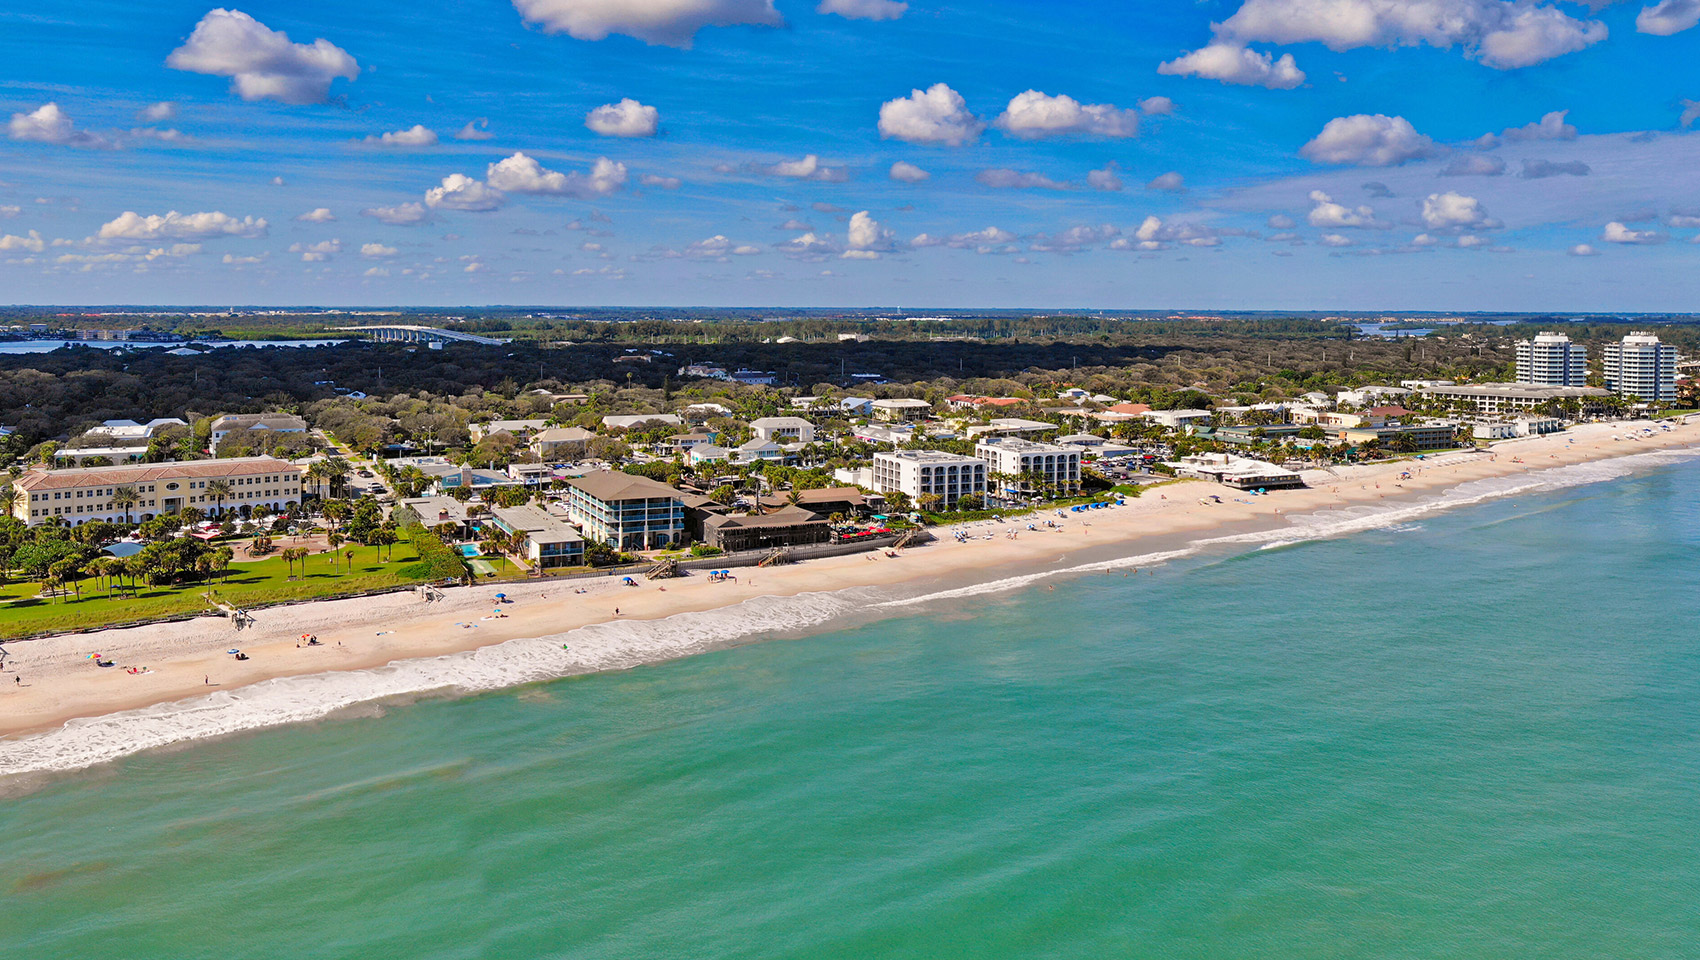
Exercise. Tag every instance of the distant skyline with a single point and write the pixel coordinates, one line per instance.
(1323, 155)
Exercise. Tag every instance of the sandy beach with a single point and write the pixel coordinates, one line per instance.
(187, 660)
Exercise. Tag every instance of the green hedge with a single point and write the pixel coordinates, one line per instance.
(437, 560)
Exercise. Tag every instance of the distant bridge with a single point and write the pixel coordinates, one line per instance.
(403, 332)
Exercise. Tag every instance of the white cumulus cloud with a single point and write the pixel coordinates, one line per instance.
(1616, 232)
(460, 192)
(478, 129)
(1157, 106)
(31, 244)
(628, 118)
(49, 124)
(400, 215)
(1369, 140)
(1233, 63)
(660, 182)
(1504, 34)
(1170, 182)
(935, 115)
(864, 9)
(377, 250)
(130, 225)
(1451, 210)
(1033, 114)
(867, 234)
(671, 23)
(157, 112)
(1106, 179)
(417, 135)
(317, 215)
(807, 168)
(317, 252)
(1327, 214)
(523, 174)
(1668, 17)
(1003, 178)
(261, 62)
(906, 172)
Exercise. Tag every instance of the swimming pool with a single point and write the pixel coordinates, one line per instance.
(470, 550)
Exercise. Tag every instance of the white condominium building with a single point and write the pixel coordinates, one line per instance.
(916, 472)
(1641, 367)
(86, 493)
(1020, 467)
(1551, 360)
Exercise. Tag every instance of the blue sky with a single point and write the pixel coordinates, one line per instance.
(744, 151)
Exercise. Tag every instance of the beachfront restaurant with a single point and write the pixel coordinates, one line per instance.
(788, 527)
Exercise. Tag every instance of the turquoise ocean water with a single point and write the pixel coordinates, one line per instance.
(1464, 733)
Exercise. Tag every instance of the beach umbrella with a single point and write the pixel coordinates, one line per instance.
(233, 650)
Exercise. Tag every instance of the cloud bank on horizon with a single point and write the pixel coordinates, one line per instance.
(1444, 154)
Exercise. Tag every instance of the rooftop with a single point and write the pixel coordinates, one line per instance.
(127, 474)
(612, 485)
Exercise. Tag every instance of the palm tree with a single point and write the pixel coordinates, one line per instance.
(293, 554)
(126, 498)
(335, 511)
(9, 497)
(336, 472)
(219, 490)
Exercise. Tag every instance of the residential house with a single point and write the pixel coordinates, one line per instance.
(783, 429)
(519, 428)
(900, 409)
(641, 421)
(545, 540)
(561, 443)
(272, 422)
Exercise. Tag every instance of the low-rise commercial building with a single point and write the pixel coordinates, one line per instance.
(86, 493)
(1499, 398)
(1242, 473)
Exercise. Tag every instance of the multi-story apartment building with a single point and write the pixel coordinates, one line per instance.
(625, 511)
(917, 472)
(86, 493)
(1641, 366)
(1019, 468)
(1551, 360)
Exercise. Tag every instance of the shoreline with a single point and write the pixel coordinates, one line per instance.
(188, 665)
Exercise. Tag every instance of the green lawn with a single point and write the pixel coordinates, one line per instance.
(23, 612)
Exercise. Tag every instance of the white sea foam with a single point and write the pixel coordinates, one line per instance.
(599, 647)
(625, 644)
(1017, 582)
